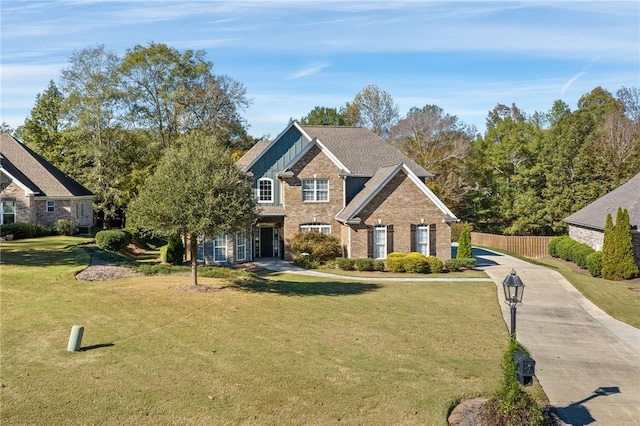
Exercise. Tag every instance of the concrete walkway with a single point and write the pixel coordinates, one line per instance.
(587, 362)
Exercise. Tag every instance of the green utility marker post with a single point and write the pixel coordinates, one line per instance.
(75, 339)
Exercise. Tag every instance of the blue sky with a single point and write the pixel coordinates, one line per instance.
(465, 57)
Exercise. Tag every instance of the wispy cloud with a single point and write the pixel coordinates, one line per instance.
(312, 68)
(571, 81)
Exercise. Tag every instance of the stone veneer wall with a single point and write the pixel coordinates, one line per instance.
(595, 239)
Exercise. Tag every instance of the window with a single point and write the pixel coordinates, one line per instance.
(379, 242)
(200, 243)
(220, 248)
(316, 227)
(265, 190)
(51, 206)
(315, 190)
(7, 211)
(422, 239)
(241, 246)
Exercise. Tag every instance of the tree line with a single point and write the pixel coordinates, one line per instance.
(110, 120)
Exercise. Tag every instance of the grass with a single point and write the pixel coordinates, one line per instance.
(283, 350)
(373, 274)
(619, 299)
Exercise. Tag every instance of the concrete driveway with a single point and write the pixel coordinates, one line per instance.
(587, 362)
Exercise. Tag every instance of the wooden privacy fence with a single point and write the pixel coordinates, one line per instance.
(531, 247)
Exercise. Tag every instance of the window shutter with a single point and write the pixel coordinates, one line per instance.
(413, 238)
(389, 239)
(369, 241)
(432, 239)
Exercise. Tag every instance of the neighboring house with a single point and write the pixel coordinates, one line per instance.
(342, 181)
(34, 191)
(587, 224)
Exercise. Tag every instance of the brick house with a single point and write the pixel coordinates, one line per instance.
(587, 224)
(343, 181)
(35, 191)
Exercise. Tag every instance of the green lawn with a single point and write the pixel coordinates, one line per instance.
(287, 350)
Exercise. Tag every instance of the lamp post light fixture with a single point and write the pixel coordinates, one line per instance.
(513, 289)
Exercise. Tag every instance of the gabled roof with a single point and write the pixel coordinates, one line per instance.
(35, 174)
(379, 180)
(594, 215)
(358, 150)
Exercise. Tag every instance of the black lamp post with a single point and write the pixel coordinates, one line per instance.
(513, 290)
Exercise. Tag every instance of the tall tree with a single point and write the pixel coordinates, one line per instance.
(323, 116)
(196, 190)
(440, 143)
(102, 151)
(160, 85)
(372, 108)
(42, 130)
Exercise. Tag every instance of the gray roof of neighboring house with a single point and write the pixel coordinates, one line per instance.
(36, 173)
(360, 150)
(594, 215)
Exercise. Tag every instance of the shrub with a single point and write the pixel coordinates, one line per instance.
(511, 405)
(364, 264)
(331, 264)
(579, 254)
(345, 263)
(416, 262)
(113, 240)
(618, 262)
(454, 265)
(563, 246)
(594, 264)
(66, 227)
(395, 262)
(378, 265)
(173, 251)
(21, 230)
(553, 244)
(464, 244)
(435, 264)
(306, 262)
(320, 247)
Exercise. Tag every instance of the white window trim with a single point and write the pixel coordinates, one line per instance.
(216, 246)
(260, 199)
(314, 190)
(420, 244)
(383, 246)
(241, 237)
(322, 228)
(53, 206)
(2, 210)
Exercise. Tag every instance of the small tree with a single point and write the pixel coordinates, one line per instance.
(618, 262)
(464, 243)
(196, 190)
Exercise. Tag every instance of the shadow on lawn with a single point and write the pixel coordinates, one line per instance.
(35, 257)
(291, 288)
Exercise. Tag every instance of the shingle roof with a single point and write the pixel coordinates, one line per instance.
(626, 196)
(36, 173)
(374, 185)
(360, 150)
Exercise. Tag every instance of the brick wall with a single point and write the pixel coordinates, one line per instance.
(314, 164)
(591, 237)
(401, 204)
(24, 204)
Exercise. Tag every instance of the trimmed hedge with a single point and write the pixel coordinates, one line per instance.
(435, 264)
(395, 262)
(113, 240)
(364, 264)
(594, 264)
(320, 247)
(581, 254)
(416, 263)
(453, 265)
(345, 263)
(21, 230)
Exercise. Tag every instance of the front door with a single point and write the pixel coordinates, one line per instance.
(266, 242)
